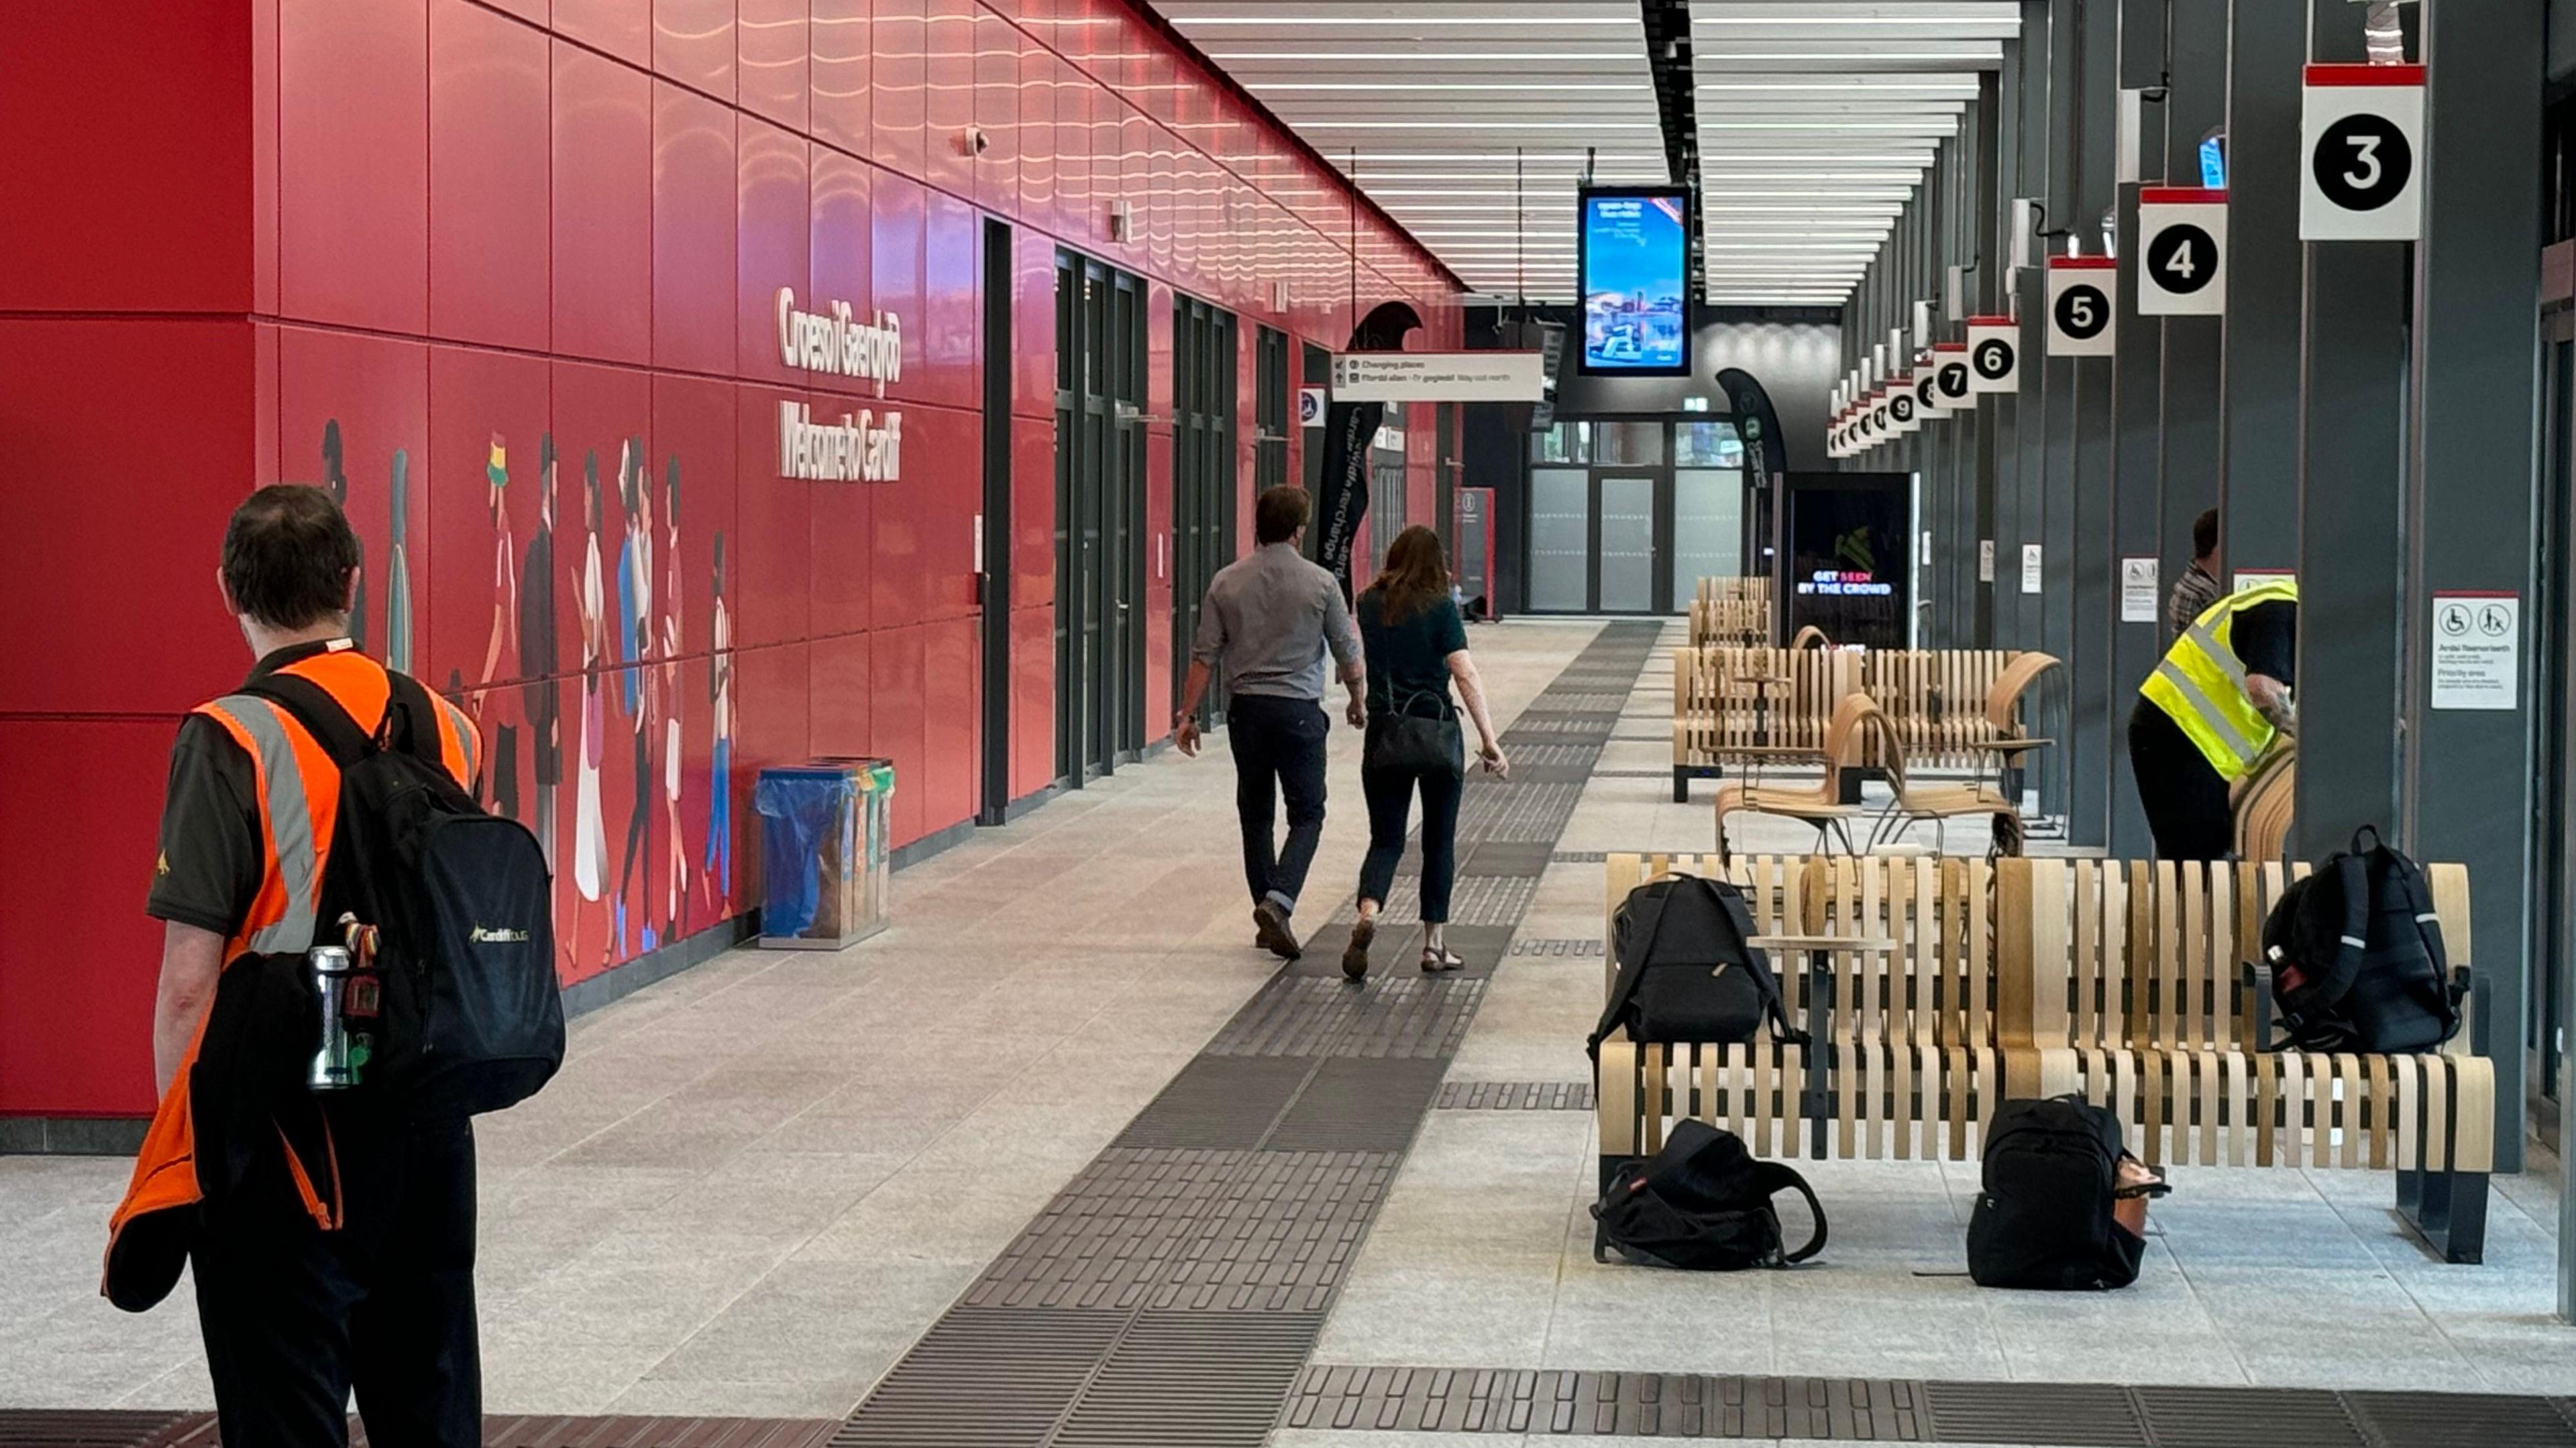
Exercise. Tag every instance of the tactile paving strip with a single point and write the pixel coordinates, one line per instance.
(1605, 1404)
(1473, 899)
(1554, 701)
(95, 1428)
(1308, 1015)
(1526, 756)
(1506, 857)
(1112, 1235)
(1557, 947)
(1535, 811)
(1217, 1102)
(1280, 1235)
(1514, 1096)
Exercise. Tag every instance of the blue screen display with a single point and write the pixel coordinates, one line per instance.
(2213, 162)
(1636, 249)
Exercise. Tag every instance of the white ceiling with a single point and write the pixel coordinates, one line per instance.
(1468, 120)
(1817, 120)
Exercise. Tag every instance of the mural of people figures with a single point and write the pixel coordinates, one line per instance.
(590, 837)
(635, 624)
(676, 849)
(535, 639)
(719, 863)
(503, 776)
(335, 478)
(398, 572)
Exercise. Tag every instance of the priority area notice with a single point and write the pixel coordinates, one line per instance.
(2477, 650)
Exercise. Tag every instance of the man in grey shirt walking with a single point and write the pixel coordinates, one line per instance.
(1270, 619)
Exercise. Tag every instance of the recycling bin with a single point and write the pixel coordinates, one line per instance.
(826, 827)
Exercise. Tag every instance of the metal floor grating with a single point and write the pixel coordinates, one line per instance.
(1201, 1379)
(1514, 1096)
(985, 1378)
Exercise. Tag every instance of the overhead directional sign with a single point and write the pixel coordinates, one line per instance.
(1439, 377)
(1950, 371)
(2182, 252)
(1994, 354)
(2079, 306)
(2362, 138)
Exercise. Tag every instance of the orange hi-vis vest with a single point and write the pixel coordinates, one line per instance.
(299, 803)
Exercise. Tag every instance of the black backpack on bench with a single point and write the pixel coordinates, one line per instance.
(1702, 1204)
(2357, 959)
(1687, 970)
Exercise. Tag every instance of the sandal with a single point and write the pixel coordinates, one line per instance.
(1438, 962)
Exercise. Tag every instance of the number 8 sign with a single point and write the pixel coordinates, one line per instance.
(2079, 306)
(2362, 132)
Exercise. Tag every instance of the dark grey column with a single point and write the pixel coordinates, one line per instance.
(2057, 384)
(2352, 623)
(2193, 347)
(2470, 777)
(2027, 522)
(2090, 567)
(1993, 447)
(2259, 407)
(2137, 417)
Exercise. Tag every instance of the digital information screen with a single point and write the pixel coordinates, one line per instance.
(1635, 250)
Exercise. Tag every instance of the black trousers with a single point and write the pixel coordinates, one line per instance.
(1390, 805)
(2185, 799)
(1278, 749)
(295, 1317)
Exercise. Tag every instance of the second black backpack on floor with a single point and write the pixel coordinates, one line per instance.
(2045, 1217)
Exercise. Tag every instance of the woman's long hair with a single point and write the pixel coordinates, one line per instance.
(1416, 575)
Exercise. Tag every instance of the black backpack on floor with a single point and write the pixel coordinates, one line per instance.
(2357, 959)
(2044, 1218)
(1687, 972)
(1702, 1204)
(462, 904)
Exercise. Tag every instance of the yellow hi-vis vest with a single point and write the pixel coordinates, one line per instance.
(2201, 684)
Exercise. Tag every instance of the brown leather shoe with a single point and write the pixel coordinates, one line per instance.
(1270, 931)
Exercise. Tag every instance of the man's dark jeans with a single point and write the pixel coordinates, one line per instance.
(1281, 740)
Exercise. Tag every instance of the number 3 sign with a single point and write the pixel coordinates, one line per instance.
(2079, 306)
(2362, 128)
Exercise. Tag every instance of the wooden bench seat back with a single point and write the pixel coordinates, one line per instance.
(1731, 611)
(1935, 989)
(1730, 702)
(2134, 953)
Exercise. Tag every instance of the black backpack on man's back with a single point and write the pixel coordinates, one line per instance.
(2356, 956)
(1688, 971)
(462, 905)
(2045, 1216)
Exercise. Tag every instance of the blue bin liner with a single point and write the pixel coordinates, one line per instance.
(799, 809)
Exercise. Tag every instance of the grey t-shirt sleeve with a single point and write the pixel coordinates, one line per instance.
(1209, 644)
(1340, 634)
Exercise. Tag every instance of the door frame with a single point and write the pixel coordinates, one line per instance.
(993, 527)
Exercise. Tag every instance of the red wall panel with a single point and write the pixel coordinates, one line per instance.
(490, 231)
(897, 717)
(898, 60)
(777, 47)
(622, 28)
(603, 207)
(838, 73)
(693, 43)
(776, 243)
(353, 414)
(695, 181)
(353, 155)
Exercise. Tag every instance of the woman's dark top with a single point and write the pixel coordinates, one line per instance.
(1411, 655)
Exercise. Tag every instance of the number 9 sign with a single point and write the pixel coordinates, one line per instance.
(2079, 306)
(2362, 130)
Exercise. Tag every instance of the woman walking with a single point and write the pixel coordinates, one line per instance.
(1416, 645)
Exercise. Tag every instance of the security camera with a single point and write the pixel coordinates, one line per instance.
(975, 142)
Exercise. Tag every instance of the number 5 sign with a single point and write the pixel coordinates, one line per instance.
(2079, 306)
(2362, 128)
(2182, 252)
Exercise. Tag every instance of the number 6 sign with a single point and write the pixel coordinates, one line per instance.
(2079, 306)
(2362, 132)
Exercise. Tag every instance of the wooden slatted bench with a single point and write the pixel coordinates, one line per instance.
(2142, 1006)
(1952, 708)
(1734, 611)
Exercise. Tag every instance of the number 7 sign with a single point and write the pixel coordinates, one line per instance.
(2362, 134)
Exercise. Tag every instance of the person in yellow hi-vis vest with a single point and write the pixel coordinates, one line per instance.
(2209, 711)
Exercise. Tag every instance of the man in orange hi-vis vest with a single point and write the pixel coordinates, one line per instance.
(333, 1243)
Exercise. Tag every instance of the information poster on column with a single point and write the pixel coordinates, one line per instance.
(2137, 590)
(1985, 560)
(2030, 568)
(2477, 650)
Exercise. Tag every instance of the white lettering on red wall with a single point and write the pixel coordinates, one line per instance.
(860, 448)
(835, 344)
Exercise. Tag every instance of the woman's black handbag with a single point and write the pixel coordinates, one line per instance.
(1416, 743)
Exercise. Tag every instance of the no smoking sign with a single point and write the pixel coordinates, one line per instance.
(2079, 306)
(2182, 252)
(2362, 134)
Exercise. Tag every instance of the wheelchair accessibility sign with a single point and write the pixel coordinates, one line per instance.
(2477, 650)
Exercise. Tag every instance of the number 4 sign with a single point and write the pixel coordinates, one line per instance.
(2182, 252)
(2362, 128)
(2079, 306)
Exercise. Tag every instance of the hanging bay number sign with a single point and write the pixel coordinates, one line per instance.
(2361, 129)
(1994, 354)
(1950, 376)
(2079, 306)
(2182, 252)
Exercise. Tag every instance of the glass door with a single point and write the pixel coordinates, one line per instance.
(1560, 540)
(1100, 473)
(1625, 551)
